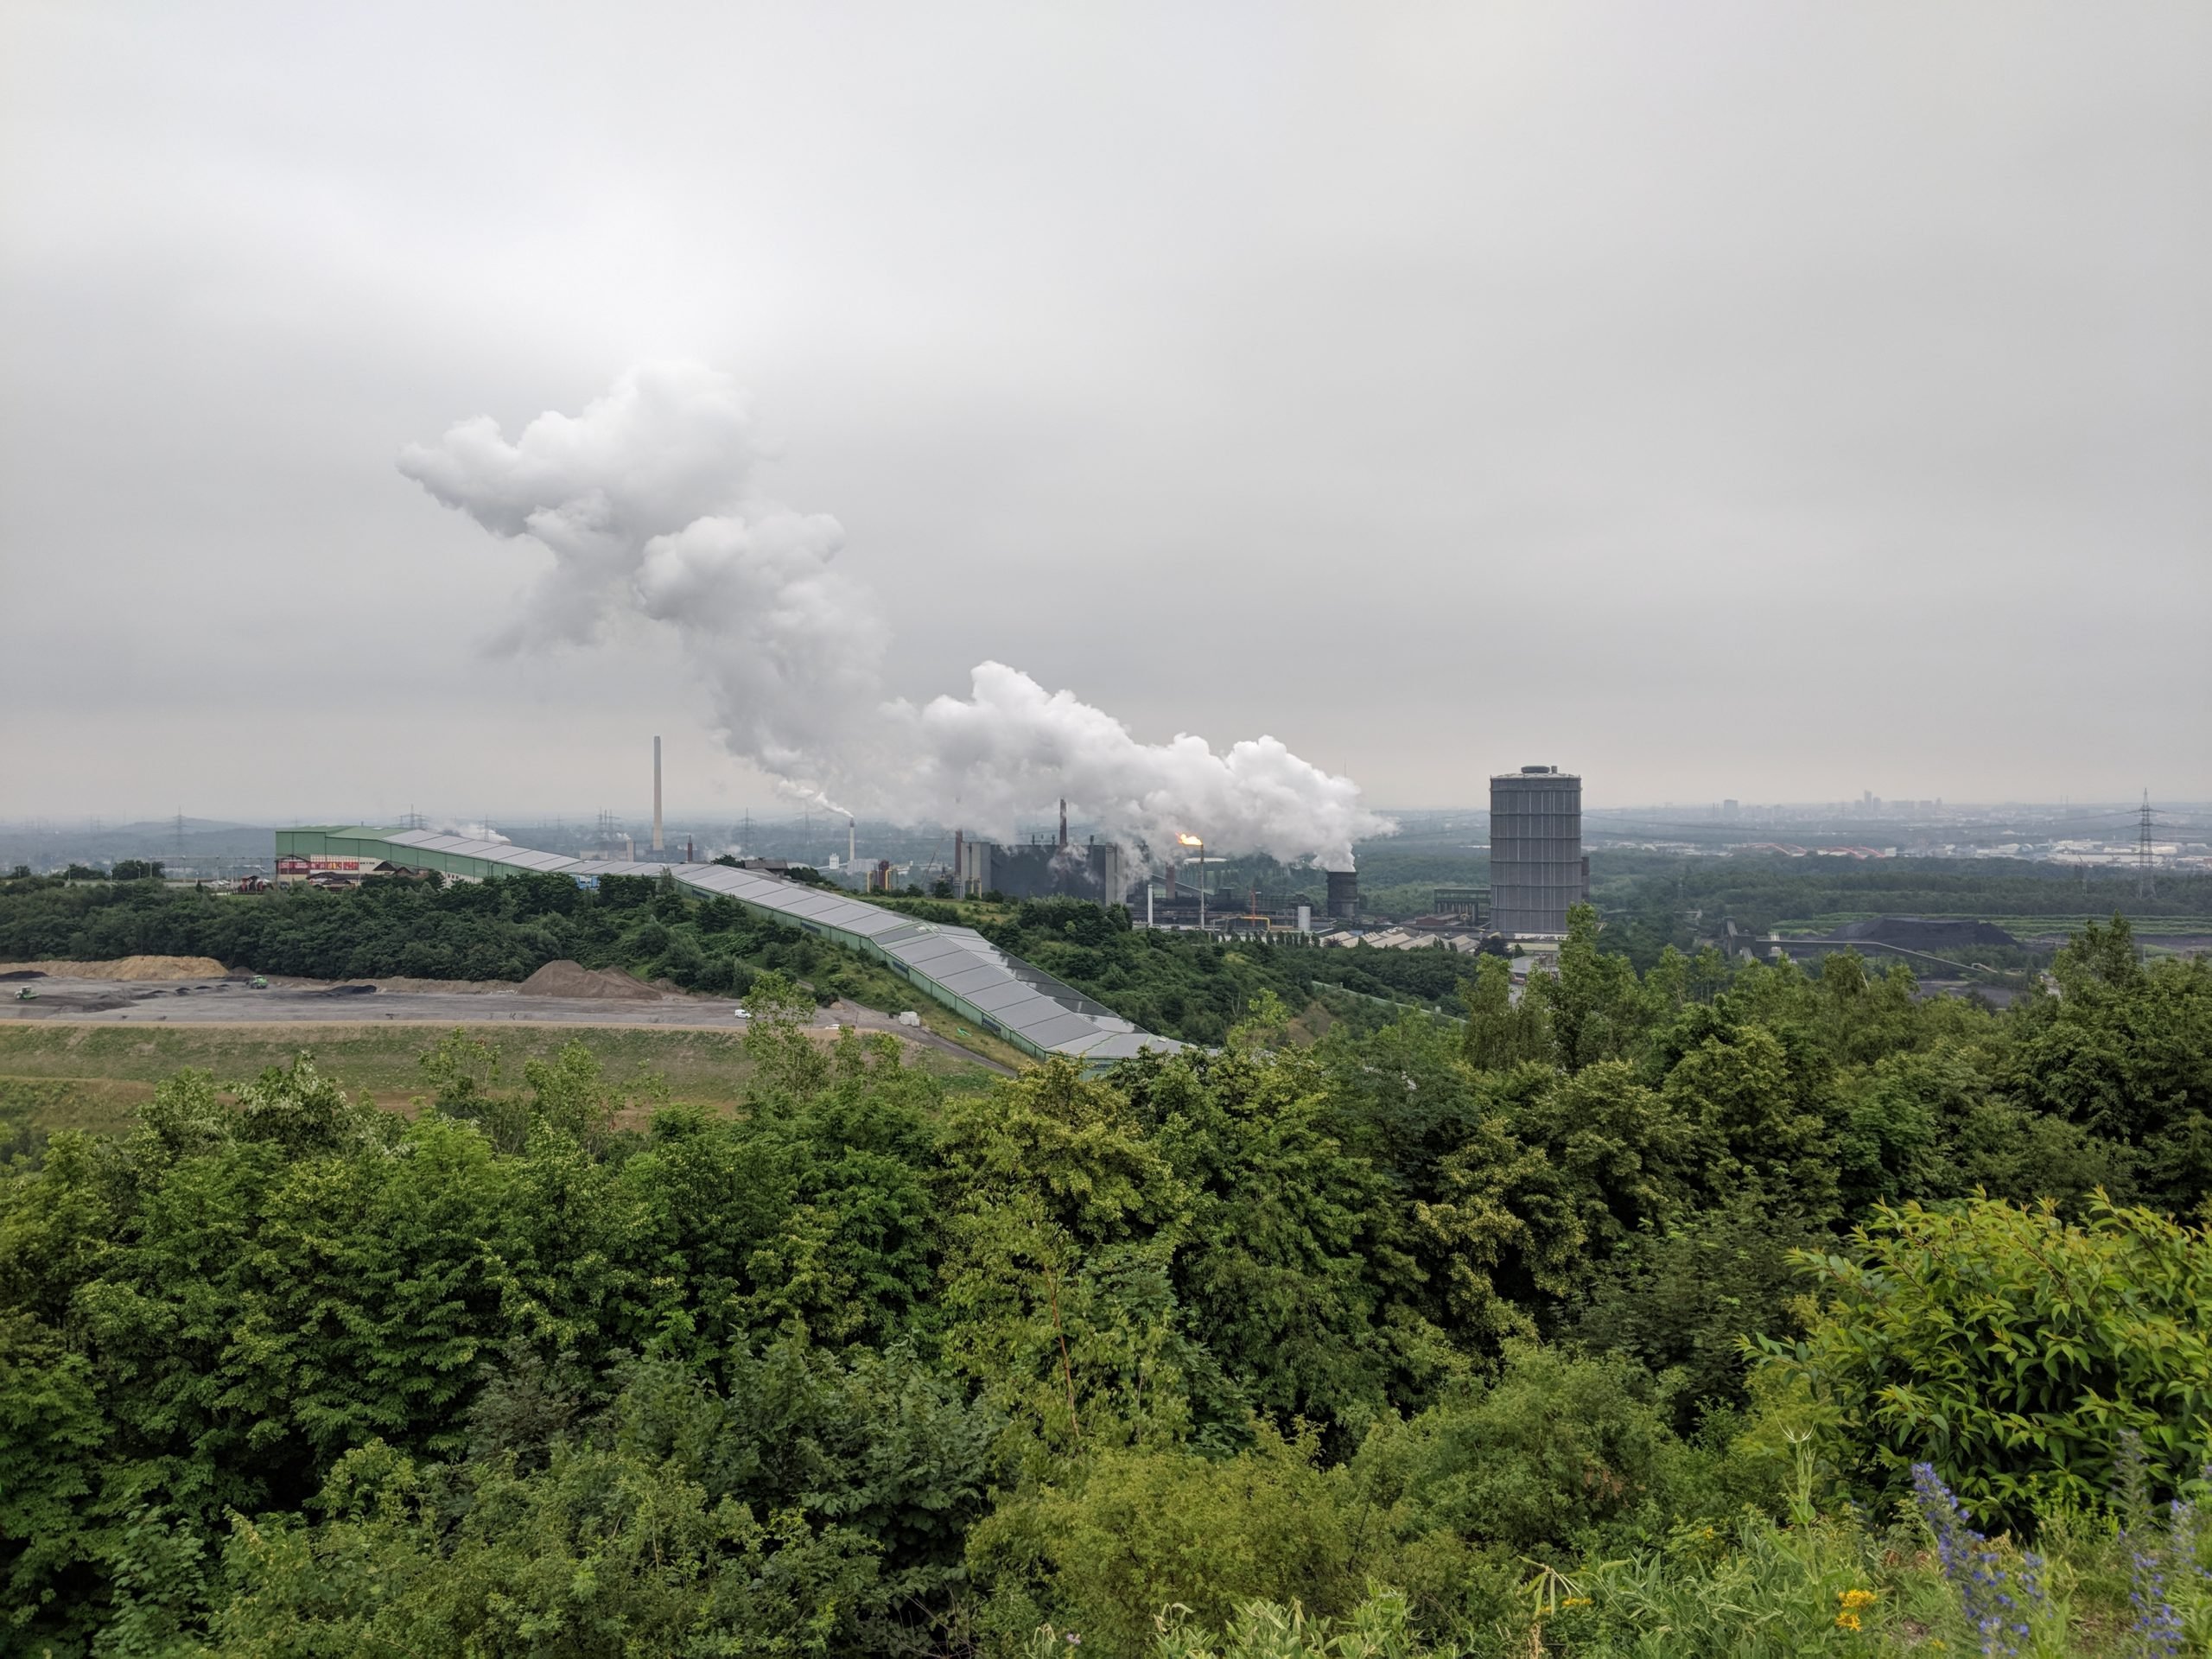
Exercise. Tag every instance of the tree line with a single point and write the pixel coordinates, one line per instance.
(1180, 985)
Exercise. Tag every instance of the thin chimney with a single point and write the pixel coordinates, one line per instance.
(1063, 824)
(657, 841)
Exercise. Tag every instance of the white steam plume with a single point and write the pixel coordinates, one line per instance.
(468, 828)
(645, 501)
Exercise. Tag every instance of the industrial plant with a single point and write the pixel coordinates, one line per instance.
(955, 967)
(1041, 869)
(1538, 871)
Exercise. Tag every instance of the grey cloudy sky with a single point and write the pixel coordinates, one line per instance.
(1772, 401)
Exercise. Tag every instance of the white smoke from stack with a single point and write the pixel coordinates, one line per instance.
(469, 829)
(647, 502)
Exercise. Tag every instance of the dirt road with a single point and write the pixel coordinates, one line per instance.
(63, 999)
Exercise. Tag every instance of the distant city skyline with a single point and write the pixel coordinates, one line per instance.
(772, 810)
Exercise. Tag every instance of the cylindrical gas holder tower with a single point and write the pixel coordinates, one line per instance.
(1536, 850)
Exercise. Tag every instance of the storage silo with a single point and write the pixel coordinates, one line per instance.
(1536, 867)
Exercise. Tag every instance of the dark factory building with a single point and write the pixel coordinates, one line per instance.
(1042, 869)
(1343, 895)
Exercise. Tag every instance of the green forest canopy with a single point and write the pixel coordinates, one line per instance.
(1442, 1330)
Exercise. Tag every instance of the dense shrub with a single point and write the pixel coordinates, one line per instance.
(2012, 1350)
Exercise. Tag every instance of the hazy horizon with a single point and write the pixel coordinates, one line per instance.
(639, 819)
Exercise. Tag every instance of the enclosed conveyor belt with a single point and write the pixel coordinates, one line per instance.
(955, 967)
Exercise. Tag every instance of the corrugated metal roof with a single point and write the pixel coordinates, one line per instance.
(999, 994)
(963, 980)
(922, 951)
(1127, 1046)
(1061, 1027)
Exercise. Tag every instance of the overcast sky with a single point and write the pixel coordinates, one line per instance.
(1770, 401)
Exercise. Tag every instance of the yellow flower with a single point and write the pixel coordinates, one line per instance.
(1855, 1599)
(1574, 1601)
(1846, 1620)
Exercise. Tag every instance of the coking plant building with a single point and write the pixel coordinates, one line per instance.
(1092, 870)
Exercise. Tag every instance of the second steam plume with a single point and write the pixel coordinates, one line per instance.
(646, 501)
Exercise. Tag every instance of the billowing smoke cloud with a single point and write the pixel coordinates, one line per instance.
(647, 502)
(1010, 746)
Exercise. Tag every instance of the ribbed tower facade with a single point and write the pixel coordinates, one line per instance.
(1536, 867)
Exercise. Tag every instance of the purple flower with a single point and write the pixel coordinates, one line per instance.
(1985, 1587)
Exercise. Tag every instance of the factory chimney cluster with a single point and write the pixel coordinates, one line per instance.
(1538, 870)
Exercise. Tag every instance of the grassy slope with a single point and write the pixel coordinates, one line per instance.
(93, 1077)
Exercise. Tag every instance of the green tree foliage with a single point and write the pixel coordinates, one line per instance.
(814, 1506)
(492, 929)
(1291, 1260)
(2012, 1350)
(1388, 1338)
(1680, 1298)
(1142, 1530)
(1597, 1006)
(1552, 1450)
(2124, 1052)
(1501, 1031)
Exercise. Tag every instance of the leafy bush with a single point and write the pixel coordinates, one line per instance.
(2011, 1350)
(1140, 1530)
(1556, 1449)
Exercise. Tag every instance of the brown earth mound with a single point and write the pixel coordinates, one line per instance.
(567, 979)
(130, 968)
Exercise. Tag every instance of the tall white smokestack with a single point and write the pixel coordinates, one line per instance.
(851, 841)
(656, 794)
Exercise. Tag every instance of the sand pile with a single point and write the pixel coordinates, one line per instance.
(129, 968)
(567, 979)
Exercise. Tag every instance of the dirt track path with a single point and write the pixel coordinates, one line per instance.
(227, 1003)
